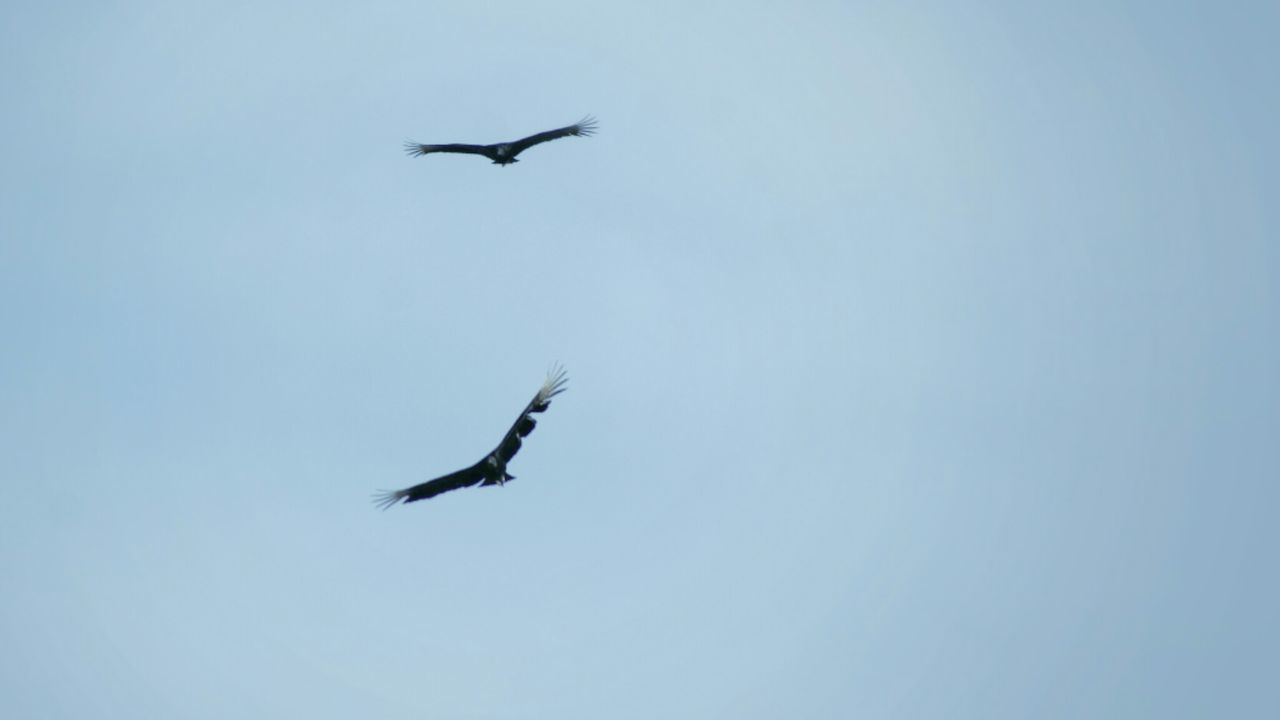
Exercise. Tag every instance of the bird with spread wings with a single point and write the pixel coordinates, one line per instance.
(505, 153)
(492, 469)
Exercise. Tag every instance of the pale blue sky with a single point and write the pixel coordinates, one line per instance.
(923, 360)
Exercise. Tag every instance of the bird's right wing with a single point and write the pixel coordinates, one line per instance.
(415, 149)
(553, 386)
(431, 488)
(586, 127)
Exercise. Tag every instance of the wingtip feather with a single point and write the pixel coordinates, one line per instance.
(586, 127)
(384, 499)
(557, 378)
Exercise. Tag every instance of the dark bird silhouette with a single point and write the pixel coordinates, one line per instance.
(505, 153)
(492, 470)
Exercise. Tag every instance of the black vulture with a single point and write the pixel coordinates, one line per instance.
(505, 153)
(492, 470)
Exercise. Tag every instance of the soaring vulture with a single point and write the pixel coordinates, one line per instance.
(505, 153)
(492, 470)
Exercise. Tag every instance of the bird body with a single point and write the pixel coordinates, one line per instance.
(492, 469)
(505, 153)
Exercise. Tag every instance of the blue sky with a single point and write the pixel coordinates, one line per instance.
(922, 360)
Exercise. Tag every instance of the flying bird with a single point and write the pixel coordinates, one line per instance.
(505, 153)
(492, 470)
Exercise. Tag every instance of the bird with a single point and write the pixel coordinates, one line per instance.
(492, 469)
(505, 153)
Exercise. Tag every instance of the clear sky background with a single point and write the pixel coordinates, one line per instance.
(923, 360)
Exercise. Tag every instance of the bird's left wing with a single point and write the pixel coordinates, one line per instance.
(417, 149)
(431, 488)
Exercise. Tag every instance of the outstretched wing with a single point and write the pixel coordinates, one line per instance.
(431, 488)
(585, 127)
(415, 149)
(510, 445)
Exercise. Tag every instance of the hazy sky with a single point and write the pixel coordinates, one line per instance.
(923, 360)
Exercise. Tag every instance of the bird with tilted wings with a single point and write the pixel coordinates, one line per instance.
(492, 469)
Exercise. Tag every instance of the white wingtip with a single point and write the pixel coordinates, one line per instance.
(384, 499)
(555, 383)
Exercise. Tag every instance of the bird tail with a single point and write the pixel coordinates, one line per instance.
(384, 499)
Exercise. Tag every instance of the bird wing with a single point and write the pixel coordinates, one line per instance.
(585, 127)
(415, 149)
(431, 488)
(511, 442)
